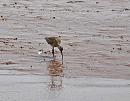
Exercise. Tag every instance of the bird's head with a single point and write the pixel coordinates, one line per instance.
(61, 49)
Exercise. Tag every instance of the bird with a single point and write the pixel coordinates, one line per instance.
(55, 42)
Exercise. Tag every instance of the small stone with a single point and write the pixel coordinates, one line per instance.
(4, 19)
(119, 48)
(54, 17)
(15, 38)
(29, 42)
(21, 47)
(4, 4)
(113, 10)
(45, 52)
(97, 2)
(97, 11)
(126, 9)
(121, 37)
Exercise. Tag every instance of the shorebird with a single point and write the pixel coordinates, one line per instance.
(55, 42)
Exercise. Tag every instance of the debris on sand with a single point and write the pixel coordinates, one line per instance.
(4, 4)
(70, 44)
(8, 39)
(45, 52)
(121, 37)
(74, 1)
(3, 18)
(126, 9)
(53, 17)
(8, 62)
(119, 48)
(97, 2)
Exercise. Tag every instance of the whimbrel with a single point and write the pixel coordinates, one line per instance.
(55, 42)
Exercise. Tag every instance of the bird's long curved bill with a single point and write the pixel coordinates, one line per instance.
(62, 57)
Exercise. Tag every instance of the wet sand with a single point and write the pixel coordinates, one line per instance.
(95, 37)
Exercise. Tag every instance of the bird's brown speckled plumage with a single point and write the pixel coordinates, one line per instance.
(53, 41)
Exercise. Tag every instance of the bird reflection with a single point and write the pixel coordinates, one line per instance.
(55, 69)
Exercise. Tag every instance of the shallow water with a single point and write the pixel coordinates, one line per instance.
(95, 37)
(35, 87)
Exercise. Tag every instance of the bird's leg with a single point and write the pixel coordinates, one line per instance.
(53, 51)
(62, 56)
(61, 50)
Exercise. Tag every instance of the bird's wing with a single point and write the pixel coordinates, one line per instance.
(53, 41)
(58, 40)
